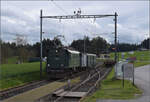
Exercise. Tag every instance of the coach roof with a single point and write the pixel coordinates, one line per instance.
(91, 54)
(74, 52)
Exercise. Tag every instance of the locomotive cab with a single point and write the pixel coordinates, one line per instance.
(56, 59)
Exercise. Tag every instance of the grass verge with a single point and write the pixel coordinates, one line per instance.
(19, 80)
(142, 57)
(18, 74)
(112, 89)
(13, 70)
(142, 63)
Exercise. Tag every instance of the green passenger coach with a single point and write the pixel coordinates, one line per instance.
(73, 58)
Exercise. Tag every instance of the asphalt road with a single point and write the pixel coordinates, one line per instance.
(142, 80)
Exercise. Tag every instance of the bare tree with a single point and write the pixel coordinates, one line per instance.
(21, 41)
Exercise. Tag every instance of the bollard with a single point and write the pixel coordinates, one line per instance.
(69, 86)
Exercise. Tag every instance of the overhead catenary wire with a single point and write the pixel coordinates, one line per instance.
(92, 20)
(64, 11)
(79, 17)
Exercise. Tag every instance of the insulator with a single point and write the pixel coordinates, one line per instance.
(94, 20)
(59, 20)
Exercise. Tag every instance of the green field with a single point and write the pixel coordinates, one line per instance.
(12, 60)
(112, 89)
(142, 57)
(17, 74)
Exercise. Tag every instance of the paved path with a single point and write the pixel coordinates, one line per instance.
(142, 80)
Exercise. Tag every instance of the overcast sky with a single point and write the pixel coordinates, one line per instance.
(23, 18)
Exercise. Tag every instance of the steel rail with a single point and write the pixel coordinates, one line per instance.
(17, 86)
(50, 96)
(86, 80)
(100, 78)
(23, 88)
(73, 76)
(19, 89)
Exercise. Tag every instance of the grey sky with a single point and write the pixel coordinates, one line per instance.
(23, 18)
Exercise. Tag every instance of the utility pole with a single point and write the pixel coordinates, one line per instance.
(84, 43)
(115, 36)
(41, 44)
(118, 50)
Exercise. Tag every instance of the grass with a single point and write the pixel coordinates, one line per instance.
(40, 92)
(12, 60)
(10, 70)
(142, 57)
(99, 60)
(138, 64)
(18, 80)
(112, 89)
(75, 80)
(19, 74)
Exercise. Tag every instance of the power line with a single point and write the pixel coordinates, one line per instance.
(76, 17)
(64, 11)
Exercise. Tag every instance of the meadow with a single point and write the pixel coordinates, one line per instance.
(12, 60)
(142, 57)
(18, 74)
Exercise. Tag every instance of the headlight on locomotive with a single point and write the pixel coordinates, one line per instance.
(62, 65)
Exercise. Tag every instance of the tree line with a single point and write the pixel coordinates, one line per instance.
(146, 43)
(96, 45)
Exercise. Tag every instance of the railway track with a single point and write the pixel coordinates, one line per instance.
(4, 94)
(20, 89)
(76, 92)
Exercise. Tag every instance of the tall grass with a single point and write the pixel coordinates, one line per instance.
(17, 74)
(12, 70)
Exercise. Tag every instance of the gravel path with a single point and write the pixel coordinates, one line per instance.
(142, 80)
